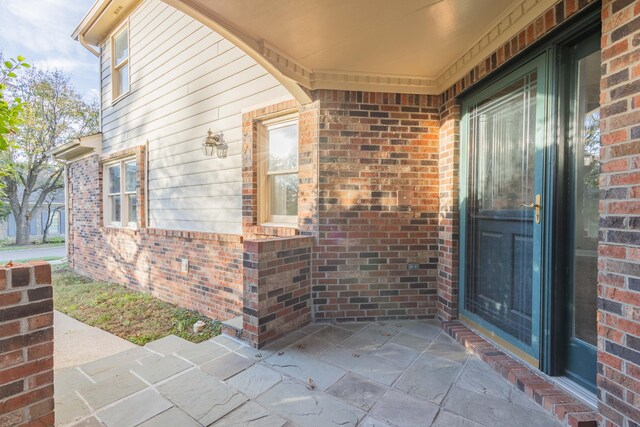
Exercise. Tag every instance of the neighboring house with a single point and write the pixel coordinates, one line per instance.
(51, 214)
(377, 160)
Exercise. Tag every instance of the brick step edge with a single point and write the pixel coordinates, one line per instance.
(232, 328)
(566, 407)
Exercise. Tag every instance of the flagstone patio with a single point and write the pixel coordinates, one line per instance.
(396, 373)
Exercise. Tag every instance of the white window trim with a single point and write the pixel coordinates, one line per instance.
(265, 218)
(115, 68)
(124, 200)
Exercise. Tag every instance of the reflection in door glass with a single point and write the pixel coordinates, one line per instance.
(586, 146)
(502, 142)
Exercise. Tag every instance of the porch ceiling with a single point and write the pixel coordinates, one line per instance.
(416, 46)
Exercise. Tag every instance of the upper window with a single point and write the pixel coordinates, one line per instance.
(279, 172)
(121, 198)
(120, 62)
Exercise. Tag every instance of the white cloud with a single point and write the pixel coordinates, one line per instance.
(40, 30)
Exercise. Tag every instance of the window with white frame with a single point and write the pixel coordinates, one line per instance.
(278, 171)
(120, 62)
(121, 199)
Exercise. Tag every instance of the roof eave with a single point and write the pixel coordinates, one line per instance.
(101, 19)
(79, 147)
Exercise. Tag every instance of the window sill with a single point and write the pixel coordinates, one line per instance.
(279, 225)
(121, 227)
(120, 97)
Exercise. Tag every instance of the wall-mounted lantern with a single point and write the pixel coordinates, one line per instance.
(214, 145)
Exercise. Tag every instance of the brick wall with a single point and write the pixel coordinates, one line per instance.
(376, 253)
(150, 259)
(448, 219)
(277, 287)
(26, 346)
(619, 250)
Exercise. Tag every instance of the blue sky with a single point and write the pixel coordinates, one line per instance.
(40, 30)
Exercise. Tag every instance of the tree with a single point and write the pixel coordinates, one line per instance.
(10, 109)
(54, 113)
(51, 212)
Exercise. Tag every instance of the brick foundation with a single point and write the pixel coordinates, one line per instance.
(149, 259)
(26, 345)
(277, 287)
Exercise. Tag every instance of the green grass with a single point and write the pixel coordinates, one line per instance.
(30, 246)
(44, 258)
(134, 316)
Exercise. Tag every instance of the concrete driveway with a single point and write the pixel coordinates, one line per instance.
(35, 253)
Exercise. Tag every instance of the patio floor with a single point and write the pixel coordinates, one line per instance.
(402, 373)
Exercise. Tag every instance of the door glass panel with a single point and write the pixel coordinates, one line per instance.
(586, 146)
(502, 140)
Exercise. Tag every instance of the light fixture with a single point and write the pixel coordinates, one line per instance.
(214, 145)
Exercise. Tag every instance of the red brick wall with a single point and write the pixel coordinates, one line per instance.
(150, 259)
(277, 287)
(26, 346)
(619, 250)
(377, 249)
(448, 220)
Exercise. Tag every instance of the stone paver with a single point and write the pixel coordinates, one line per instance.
(134, 410)
(304, 407)
(155, 368)
(201, 396)
(402, 410)
(118, 360)
(172, 417)
(358, 391)
(227, 366)
(449, 419)
(370, 366)
(255, 380)
(252, 415)
(89, 422)
(398, 354)
(302, 367)
(110, 387)
(333, 334)
(372, 422)
(492, 411)
(395, 373)
(370, 338)
(430, 378)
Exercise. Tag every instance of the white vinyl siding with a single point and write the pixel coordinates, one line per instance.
(185, 79)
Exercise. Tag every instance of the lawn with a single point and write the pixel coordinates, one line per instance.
(134, 316)
(11, 247)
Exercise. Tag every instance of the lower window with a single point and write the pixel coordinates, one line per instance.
(121, 198)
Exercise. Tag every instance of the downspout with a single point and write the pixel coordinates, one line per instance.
(65, 164)
(87, 46)
(147, 219)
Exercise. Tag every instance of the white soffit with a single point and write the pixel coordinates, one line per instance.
(78, 148)
(413, 46)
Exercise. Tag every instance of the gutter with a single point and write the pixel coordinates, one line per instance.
(65, 163)
(87, 46)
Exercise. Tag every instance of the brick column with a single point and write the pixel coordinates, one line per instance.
(277, 287)
(619, 250)
(26, 346)
(448, 233)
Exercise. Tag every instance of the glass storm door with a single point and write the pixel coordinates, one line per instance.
(501, 217)
(582, 219)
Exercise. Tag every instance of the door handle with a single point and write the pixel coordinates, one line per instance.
(535, 206)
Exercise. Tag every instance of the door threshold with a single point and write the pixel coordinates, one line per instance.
(587, 396)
